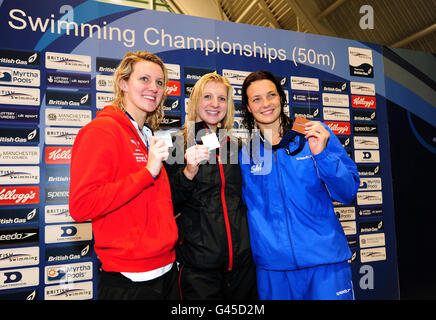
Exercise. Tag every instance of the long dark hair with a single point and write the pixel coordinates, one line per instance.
(248, 119)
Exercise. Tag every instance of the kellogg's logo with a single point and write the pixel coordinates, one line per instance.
(58, 155)
(19, 195)
(342, 128)
(363, 102)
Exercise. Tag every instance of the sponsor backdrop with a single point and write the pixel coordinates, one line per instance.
(56, 66)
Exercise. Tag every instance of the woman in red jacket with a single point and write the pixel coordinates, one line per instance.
(119, 183)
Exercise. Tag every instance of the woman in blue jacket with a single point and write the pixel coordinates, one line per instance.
(290, 179)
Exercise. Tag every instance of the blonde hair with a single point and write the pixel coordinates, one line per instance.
(123, 72)
(197, 95)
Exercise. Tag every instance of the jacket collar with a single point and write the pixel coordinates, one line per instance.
(126, 120)
(202, 128)
(285, 142)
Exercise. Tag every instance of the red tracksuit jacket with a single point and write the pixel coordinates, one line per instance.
(131, 212)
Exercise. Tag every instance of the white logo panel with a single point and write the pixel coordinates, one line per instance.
(67, 117)
(345, 213)
(19, 278)
(173, 71)
(366, 156)
(104, 99)
(370, 184)
(336, 114)
(235, 76)
(60, 136)
(366, 142)
(370, 197)
(335, 100)
(72, 291)
(20, 77)
(373, 254)
(64, 61)
(22, 96)
(304, 83)
(19, 257)
(57, 214)
(66, 273)
(364, 88)
(372, 240)
(19, 155)
(19, 175)
(68, 233)
(349, 227)
(104, 83)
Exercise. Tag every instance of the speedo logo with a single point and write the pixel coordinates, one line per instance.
(16, 236)
(343, 292)
(172, 121)
(13, 237)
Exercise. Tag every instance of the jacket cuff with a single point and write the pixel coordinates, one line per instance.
(321, 156)
(147, 177)
(185, 182)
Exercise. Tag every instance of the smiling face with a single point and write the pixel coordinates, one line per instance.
(144, 89)
(264, 103)
(212, 106)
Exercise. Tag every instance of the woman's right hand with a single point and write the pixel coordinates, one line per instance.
(157, 153)
(194, 155)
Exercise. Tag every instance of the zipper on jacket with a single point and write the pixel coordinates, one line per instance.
(317, 172)
(284, 204)
(226, 216)
(223, 202)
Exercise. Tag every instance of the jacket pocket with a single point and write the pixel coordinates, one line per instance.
(153, 227)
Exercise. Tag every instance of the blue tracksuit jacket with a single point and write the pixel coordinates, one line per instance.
(289, 198)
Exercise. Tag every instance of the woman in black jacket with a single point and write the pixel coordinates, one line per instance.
(206, 185)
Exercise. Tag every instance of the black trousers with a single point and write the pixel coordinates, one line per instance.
(115, 286)
(212, 284)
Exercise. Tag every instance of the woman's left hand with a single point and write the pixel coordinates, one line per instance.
(317, 135)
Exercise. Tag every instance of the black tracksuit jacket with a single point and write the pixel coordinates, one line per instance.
(213, 228)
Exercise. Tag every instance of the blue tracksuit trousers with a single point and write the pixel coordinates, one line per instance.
(324, 282)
